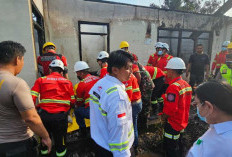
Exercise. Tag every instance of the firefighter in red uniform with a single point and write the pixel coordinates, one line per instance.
(56, 97)
(102, 61)
(82, 94)
(177, 100)
(49, 54)
(134, 94)
(158, 78)
(124, 45)
(160, 58)
(220, 58)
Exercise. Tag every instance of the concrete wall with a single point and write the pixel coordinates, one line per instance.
(16, 25)
(39, 5)
(126, 23)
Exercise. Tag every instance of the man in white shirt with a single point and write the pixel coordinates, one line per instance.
(213, 100)
(110, 109)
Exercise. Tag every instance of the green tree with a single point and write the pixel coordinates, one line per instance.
(197, 6)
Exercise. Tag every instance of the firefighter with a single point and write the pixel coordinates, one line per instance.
(49, 54)
(229, 48)
(56, 97)
(160, 58)
(177, 100)
(134, 94)
(220, 58)
(111, 111)
(82, 94)
(124, 45)
(225, 73)
(158, 78)
(102, 62)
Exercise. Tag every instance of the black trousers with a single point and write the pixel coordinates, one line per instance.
(172, 145)
(56, 125)
(195, 79)
(26, 148)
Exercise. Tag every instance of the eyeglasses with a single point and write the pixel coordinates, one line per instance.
(194, 103)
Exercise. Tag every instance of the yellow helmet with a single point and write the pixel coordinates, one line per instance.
(229, 46)
(49, 44)
(124, 44)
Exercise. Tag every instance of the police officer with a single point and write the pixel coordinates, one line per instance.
(110, 109)
(102, 62)
(226, 70)
(176, 107)
(82, 94)
(56, 97)
(49, 54)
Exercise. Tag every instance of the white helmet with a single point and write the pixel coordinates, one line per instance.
(158, 44)
(102, 55)
(80, 65)
(175, 63)
(225, 43)
(166, 46)
(57, 63)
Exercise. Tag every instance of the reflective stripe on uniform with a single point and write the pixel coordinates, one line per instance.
(55, 101)
(72, 97)
(62, 153)
(86, 100)
(129, 88)
(155, 73)
(111, 90)
(136, 90)
(177, 84)
(79, 99)
(96, 101)
(160, 99)
(170, 136)
(123, 145)
(187, 89)
(44, 152)
(154, 102)
(34, 93)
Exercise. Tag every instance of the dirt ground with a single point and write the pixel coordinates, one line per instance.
(150, 142)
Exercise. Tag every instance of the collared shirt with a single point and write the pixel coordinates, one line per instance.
(111, 116)
(217, 141)
(159, 61)
(56, 93)
(82, 89)
(177, 100)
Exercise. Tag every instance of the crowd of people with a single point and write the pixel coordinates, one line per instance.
(119, 101)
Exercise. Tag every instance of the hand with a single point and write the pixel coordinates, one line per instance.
(47, 142)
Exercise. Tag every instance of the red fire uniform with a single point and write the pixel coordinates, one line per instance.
(83, 88)
(132, 88)
(56, 93)
(177, 100)
(159, 61)
(103, 71)
(219, 59)
(154, 72)
(46, 59)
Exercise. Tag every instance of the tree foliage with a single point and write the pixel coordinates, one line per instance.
(197, 6)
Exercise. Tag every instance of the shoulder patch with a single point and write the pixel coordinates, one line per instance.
(171, 97)
(224, 71)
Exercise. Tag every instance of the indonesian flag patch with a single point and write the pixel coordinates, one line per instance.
(122, 115)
